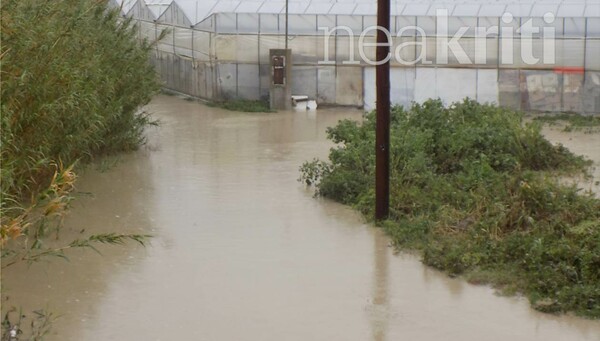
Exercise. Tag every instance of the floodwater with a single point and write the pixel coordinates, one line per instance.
(242, 251)
(583, 142)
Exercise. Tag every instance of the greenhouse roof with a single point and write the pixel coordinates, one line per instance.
(147, 10)
(198, 10)
(157, 7)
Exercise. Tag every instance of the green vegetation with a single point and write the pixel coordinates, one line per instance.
(73, 79)
(243, 105)
(577, 122)
(477, 192)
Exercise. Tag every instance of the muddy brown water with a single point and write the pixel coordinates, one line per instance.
(242, 251)
(583, 142)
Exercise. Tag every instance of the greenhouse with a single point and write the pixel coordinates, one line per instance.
(537, 55)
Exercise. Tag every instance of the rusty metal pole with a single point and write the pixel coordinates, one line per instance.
(382, 138)
(287, 14)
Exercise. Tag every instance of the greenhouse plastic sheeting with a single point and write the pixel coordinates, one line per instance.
(217, 48)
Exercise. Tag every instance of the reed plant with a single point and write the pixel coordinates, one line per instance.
(74, 76)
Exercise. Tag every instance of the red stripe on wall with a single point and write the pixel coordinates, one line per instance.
(570, 70)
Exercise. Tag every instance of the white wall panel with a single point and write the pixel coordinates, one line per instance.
(487, 86)
(425, 84)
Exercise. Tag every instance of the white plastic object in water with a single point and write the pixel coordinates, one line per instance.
(311, 105)
(300, 106)
(299, 102)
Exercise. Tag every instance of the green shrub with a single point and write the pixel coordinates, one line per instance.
(572, 121)
(73, 78)
(476, 190)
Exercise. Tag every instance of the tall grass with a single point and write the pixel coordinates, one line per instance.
(73, 78)
(477, 191)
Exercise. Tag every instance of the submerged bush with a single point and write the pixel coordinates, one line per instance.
(242, 105)
(477, 191)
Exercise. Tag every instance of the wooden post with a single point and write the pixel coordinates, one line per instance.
(382, 139)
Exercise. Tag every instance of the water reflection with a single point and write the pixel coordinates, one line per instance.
(73, 289)
(380, 317)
